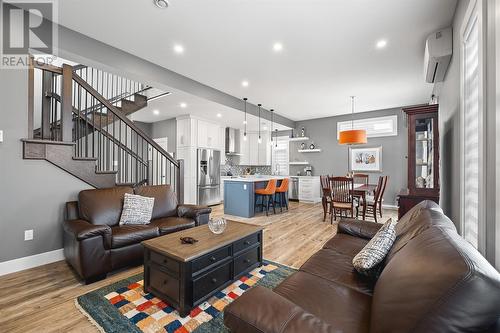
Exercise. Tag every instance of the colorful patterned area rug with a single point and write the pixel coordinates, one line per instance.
(125, 307)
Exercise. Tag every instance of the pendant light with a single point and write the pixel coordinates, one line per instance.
(272, 125)
(245, 121)
(352, 136)
(260, 138)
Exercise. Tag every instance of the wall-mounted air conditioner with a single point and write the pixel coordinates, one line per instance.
(438, 51)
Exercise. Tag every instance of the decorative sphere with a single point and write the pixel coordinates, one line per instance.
(217, 226)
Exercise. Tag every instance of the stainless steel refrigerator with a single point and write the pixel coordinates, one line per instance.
(208, 177)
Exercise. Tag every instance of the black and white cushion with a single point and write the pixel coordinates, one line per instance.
(136, 209)
(373, 254)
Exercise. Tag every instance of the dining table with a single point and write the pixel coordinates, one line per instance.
(361, 190)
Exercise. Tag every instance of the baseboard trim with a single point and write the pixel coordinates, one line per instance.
(36, 260)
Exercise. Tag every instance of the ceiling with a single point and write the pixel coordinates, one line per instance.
(328, 53)
(169, 106)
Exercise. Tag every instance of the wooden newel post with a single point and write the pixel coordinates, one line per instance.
(67, 107)
(180, 182)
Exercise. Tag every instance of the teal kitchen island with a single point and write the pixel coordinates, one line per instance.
(239, 194)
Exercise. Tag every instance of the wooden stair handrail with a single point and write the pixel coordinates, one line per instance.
(123, 118)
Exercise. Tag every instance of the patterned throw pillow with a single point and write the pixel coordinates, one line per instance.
(368, 260)
(136, 209)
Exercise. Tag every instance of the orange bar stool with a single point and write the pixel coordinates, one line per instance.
(267, 195)
(281, 194)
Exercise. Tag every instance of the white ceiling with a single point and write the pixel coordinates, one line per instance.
(170, 107)
(329, 47)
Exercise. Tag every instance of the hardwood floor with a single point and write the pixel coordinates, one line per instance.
(42, 299)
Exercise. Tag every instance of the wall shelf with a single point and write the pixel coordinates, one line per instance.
(299, 163)
(309, 150)
(299, 138)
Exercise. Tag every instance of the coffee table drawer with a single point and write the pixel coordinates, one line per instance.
(170, 264)
(246, 242)
(245, 260)
(164, 283)
(211, 281)
(211, 258)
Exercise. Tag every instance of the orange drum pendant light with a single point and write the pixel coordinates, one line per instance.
(352, 136)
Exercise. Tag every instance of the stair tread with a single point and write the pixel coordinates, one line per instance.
(102, 172)
(84, 158)
(66, 143)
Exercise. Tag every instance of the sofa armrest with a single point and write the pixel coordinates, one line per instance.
(358, 228)
(200, 214)
(81, 229)
(273, 314)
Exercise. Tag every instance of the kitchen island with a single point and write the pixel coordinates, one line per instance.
(239, 194)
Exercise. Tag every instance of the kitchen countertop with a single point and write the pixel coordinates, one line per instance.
(254, 179)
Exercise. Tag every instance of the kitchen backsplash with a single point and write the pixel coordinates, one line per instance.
(238, 170)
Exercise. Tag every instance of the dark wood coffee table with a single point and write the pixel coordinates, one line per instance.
(185, 275)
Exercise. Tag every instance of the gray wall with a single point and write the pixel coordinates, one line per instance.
(333, 159)
(449, 125)
(166, 128)
(33, 192)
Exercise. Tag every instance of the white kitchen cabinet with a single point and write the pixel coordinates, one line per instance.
(208, 135)
(309, 189)
(186, 132)
(253, 153)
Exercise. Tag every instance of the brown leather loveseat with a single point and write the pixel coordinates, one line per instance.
(94, 242)
(433, 281)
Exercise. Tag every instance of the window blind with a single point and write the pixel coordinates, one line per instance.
(471, 123)
(280, 160)
(374, 127)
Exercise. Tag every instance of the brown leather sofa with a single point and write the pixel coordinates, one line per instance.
(94, 242)
(432, 281)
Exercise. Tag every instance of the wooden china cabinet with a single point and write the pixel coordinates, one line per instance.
(423, 157)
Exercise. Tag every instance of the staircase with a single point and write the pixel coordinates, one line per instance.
(77, 120)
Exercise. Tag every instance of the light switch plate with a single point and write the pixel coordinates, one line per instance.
(28, 235)
(1, 135)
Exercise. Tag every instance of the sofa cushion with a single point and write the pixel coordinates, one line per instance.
(102, 206)
(165, 199)
(346, 309)
(136, 209)
(436, 282)
(131, 234)
(368, 261)
(421, 217)
(336, 267)
(346, 244)
(168, 225)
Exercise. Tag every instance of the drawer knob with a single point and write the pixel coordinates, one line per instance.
(214, 280)
(165, 261)
(213, 259)
(247, 243)
(165, 281)
(246, 261)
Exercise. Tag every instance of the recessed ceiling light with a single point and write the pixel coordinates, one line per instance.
(178, 48)
(244, 83)
(183, 105)
(381, 44)
(244, 122)
(156, 112)
(277, 47)
(219, 115)
(265, 128)
(161, 3)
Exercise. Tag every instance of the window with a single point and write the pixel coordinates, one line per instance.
(280, 158)
(472, 143)
(375, 127)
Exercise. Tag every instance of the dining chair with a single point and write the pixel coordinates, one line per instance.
(381, 199)
(342, 196)
(359, 178)
(326, 195)
(373, 202)
(280, 196)
(267, 195)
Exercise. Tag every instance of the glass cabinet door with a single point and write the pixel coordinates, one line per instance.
(424, 164)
